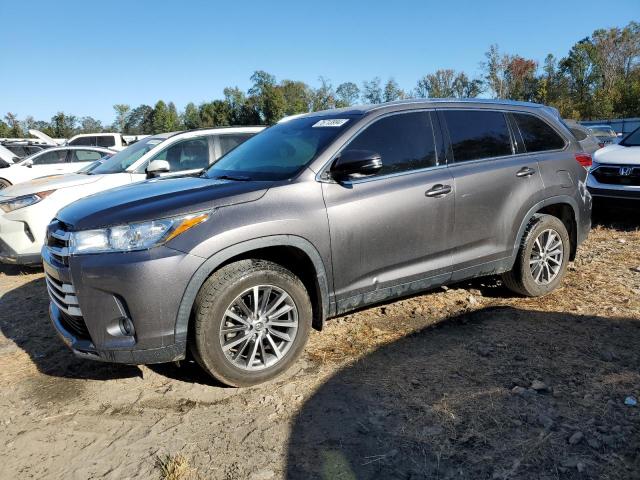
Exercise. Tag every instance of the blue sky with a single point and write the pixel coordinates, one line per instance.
(84, 56)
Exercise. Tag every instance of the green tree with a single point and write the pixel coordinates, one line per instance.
(347, 94)
(297, 97)
(63, 125)
(122, 110)
(4, 130)
(215, 114)
(173, 119)
(392, 91)
(91, 125)
(191, 116)
(15, 129)
(495, 71)
(324, 97)
(372, 91)
(140, 121)
(161, 118)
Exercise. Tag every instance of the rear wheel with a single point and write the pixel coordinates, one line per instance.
(252, 320)
(4, 183)
(542, 259)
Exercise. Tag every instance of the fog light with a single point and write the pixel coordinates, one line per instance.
(126, 327)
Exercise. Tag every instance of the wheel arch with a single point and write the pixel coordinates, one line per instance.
(563, 207)
(293, 252)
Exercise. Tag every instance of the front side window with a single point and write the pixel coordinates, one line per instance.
(106, 141)
(477, 134)
(404, 141)
(282, 151)
(538, 136)
(188, 154)
(85, 156)
(127, 157)
(49, 158)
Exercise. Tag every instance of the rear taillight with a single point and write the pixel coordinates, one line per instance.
(584, 159)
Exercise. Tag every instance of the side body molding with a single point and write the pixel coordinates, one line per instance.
(213, 262)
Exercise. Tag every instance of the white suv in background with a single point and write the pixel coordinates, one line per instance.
(26, 209)
(615, 172)
(52, 161)
(114, 141)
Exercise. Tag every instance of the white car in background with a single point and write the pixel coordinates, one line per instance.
(7, 157)
(114, 141)
(615, 172)
(27, 208)
(52, 161)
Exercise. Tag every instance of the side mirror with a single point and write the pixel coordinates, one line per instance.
(356, 164)
(157, 167)
(28, 163)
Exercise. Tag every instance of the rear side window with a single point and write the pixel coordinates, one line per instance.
(231, 141)
(106, 141)
(404, 141)
(538, 136)
(85, 156)
(477, 134)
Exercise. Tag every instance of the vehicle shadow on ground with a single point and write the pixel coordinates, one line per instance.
(24, 321)
(440, 403)
(620, 215)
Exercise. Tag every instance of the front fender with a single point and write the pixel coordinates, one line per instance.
(219, 258)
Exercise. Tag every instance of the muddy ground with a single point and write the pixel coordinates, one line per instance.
(464, 382)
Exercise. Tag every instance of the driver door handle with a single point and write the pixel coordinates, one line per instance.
(438, 190)
(525, 172)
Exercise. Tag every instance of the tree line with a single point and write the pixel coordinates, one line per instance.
(599, 78)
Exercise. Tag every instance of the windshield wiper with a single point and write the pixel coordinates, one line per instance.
(237, 178)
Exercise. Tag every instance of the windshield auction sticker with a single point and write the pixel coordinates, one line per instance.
(332, 122)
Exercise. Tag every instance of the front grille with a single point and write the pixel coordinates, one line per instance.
(62, 294)
(58, 241)
(618, 175)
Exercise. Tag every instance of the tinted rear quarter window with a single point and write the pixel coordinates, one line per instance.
(537, 134)
(106, 141)
(84, 141)
(477, 134)
(404, 141)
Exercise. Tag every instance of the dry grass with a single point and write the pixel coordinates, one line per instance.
(176, 467)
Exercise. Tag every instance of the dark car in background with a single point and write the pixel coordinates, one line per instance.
(314, 217)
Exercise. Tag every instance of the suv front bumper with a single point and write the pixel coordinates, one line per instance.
(92, 294)
(611, 190)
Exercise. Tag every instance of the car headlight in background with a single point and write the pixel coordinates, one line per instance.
(134, 236)
(24, 201)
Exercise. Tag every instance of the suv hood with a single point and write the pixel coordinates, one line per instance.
(157, 199)
(618, 154)
(51, 182)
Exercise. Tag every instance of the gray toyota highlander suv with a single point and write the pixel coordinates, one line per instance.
(313, 217)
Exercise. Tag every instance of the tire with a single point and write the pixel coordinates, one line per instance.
(4, 183)
(219, 304)
(526, 277)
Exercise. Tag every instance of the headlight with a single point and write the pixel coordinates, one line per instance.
(24, 201)
(135, 236)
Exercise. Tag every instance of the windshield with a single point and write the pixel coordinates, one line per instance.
(282, 151)
(127, 157)
(632, 140)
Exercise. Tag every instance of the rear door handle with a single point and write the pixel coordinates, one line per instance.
(438, 190)
(525, 172)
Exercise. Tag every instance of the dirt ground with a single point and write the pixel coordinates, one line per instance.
(466, 382)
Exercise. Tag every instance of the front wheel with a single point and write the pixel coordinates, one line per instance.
(542, 259)
(4, 183)
(252, 320)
